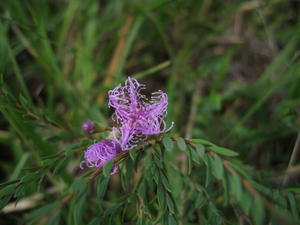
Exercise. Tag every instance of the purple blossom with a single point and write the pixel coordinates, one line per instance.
(98, 154)
(88, 126)
(127, 136)
(137, 115)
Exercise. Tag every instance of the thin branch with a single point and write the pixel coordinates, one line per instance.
(193, 111)
(24, 40)
(293, 159)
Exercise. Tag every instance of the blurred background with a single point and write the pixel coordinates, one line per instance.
(230, 68)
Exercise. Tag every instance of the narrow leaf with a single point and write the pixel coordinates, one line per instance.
(168, 143)
(102, 186)
(201, 141)
(218, 169)
(19, 166)
(181, 144)
(258, 212)
(223, 151)
(8, 190)
(172, 220)
(107, 168)
(200, 150)
(235, 186)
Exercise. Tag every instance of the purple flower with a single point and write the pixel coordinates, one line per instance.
(137, 115)
(88, 126)
(127, 136)
(98, 154)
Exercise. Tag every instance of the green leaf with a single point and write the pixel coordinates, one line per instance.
(168, 143)
(293, 205)
(165, 181)
(225, 182)
(41, 211)
(200, 201)
(112, 210)
(190, 164)
(126, 177)
(158, 162)
(8, 190)
(139, 156)
(140, 221)
(218, 169)
(223, 151)
(4, 201)
(39, 183)
(79, 185)
(19, 166)
(258, 211)
(50, 162)
(293, 189)
(148, 161)
(201, 141)
(170, 204)
(51, 156)
(9, 182)
(279, 199)
(181, 144)
(26, 103)
(161, 196)
(95, 221)
(208, 169)
(61, 165)
(102, 186)
(107, 168)
(142, 189)
(155, 177)
(213, 214)
(172, 220)
(20, 191)
(132, 154)
(194, 155)
(74, 146)
(78, 211)
(200, 149)
(60, 136)
(55, 219)
(30, 177)
(235, 186)
(151, 70)
(246, 202)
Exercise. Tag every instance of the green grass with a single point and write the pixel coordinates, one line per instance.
(230, 68)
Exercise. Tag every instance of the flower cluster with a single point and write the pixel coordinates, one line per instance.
(136, 116)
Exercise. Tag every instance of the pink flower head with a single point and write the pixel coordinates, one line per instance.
(98, 154)
(128, 136)
(88, 126)
(138, 115)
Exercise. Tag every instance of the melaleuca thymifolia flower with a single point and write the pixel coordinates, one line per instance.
(98, 154)
(88, 126)
(127, 136)
(136, 115)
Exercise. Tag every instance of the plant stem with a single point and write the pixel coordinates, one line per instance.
(293, 159)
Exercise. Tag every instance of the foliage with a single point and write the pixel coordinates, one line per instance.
(230, 69)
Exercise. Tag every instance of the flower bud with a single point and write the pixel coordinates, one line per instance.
(88, 126)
